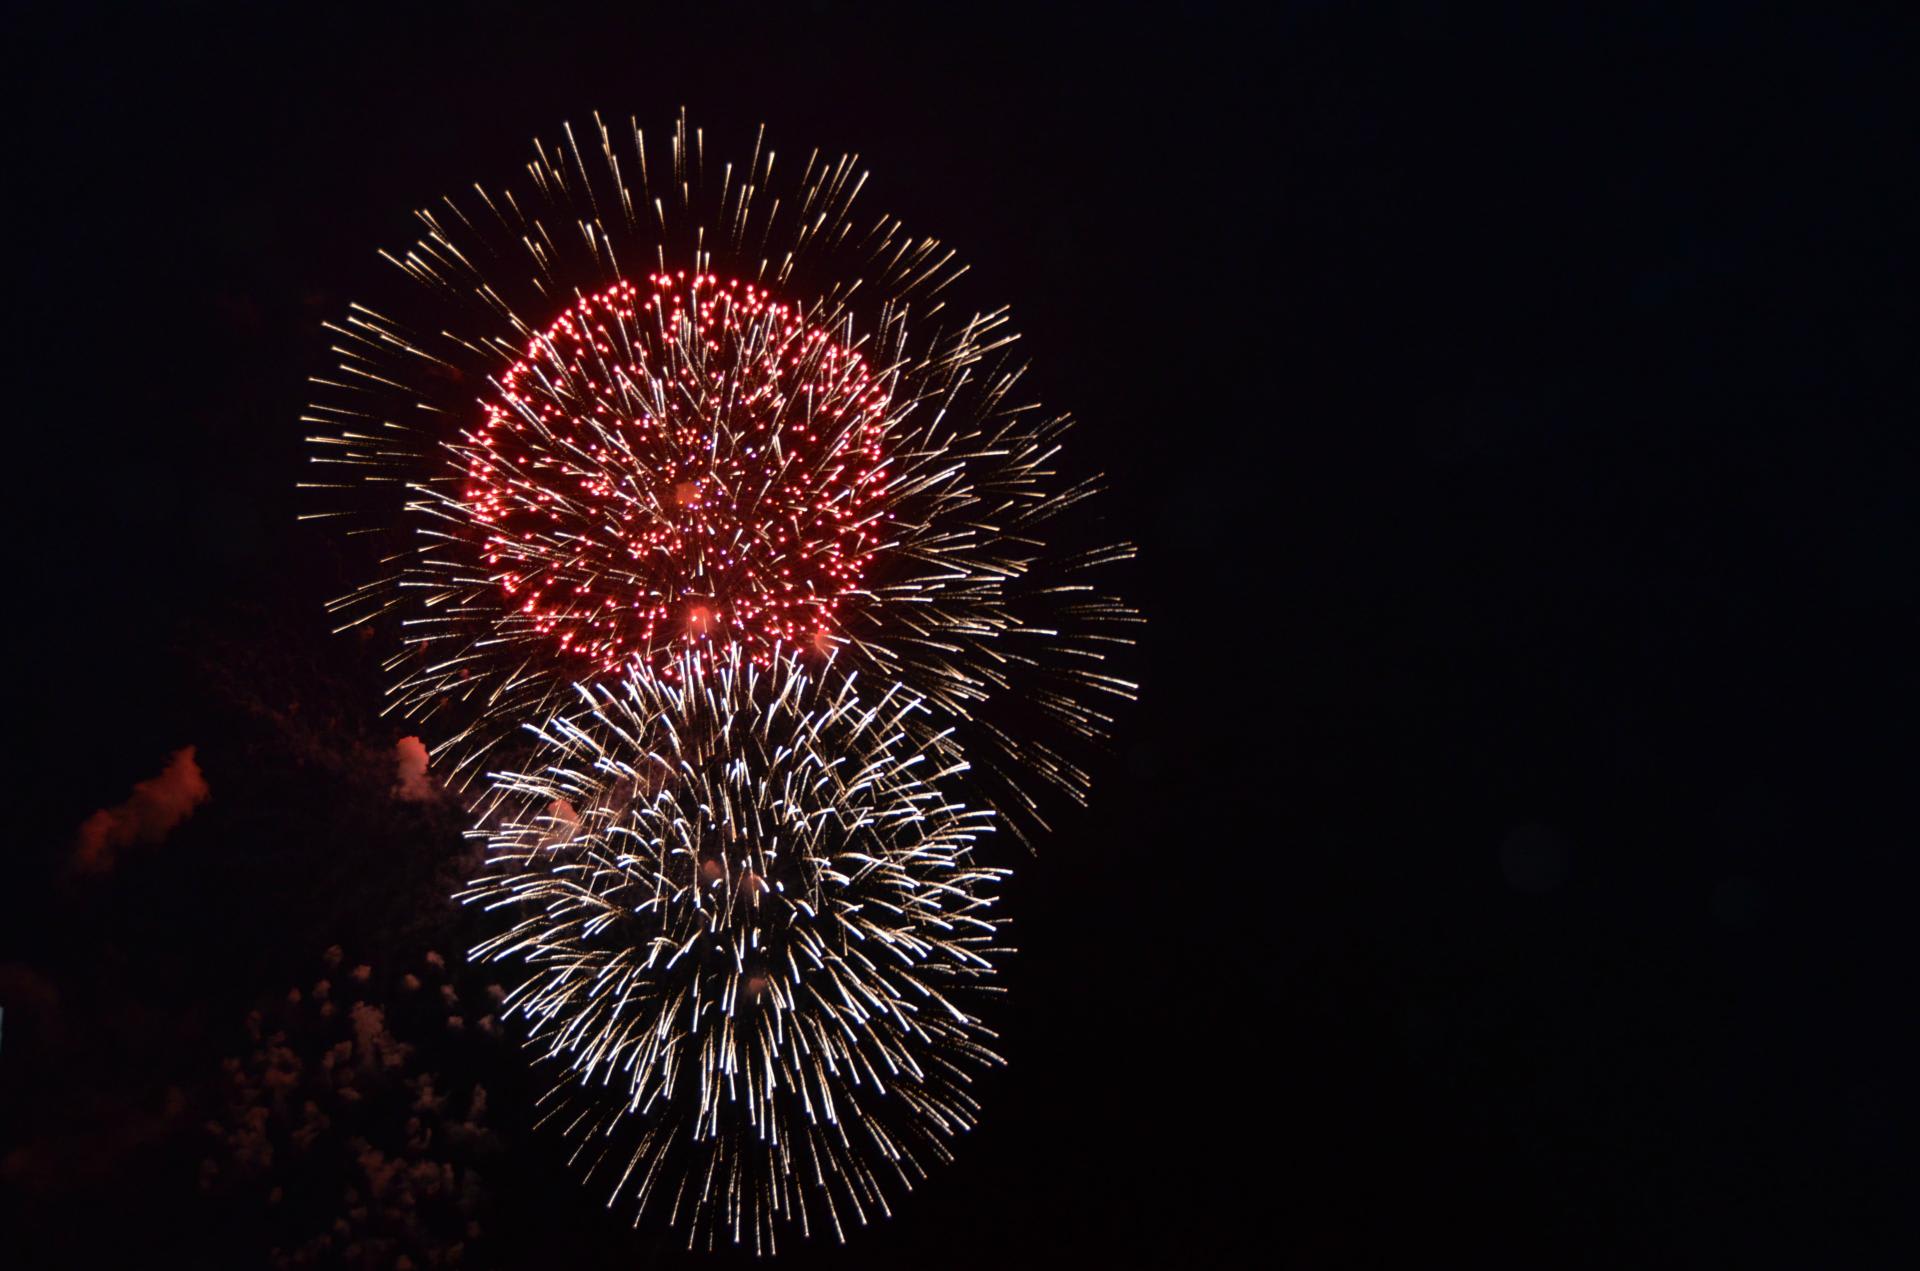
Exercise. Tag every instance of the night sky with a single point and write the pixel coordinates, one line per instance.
(1510, 859)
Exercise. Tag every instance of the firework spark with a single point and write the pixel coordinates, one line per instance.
(638, 408)
(754, 931)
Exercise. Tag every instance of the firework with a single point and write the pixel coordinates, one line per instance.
(645, 405)
(691, 466)
(753, 932)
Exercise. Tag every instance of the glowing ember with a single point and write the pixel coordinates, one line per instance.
(684, 463)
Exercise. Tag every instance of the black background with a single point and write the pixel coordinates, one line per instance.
(1509, 861)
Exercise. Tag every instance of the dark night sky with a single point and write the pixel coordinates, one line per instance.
(1510, 860)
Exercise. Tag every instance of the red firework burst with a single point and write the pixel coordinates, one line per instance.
(831, 454)
(680, 463)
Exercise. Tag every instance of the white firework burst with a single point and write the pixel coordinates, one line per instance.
(754, 935)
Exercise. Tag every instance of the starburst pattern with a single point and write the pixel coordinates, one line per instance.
(797, 442)
(754, 931)
(689, 465)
